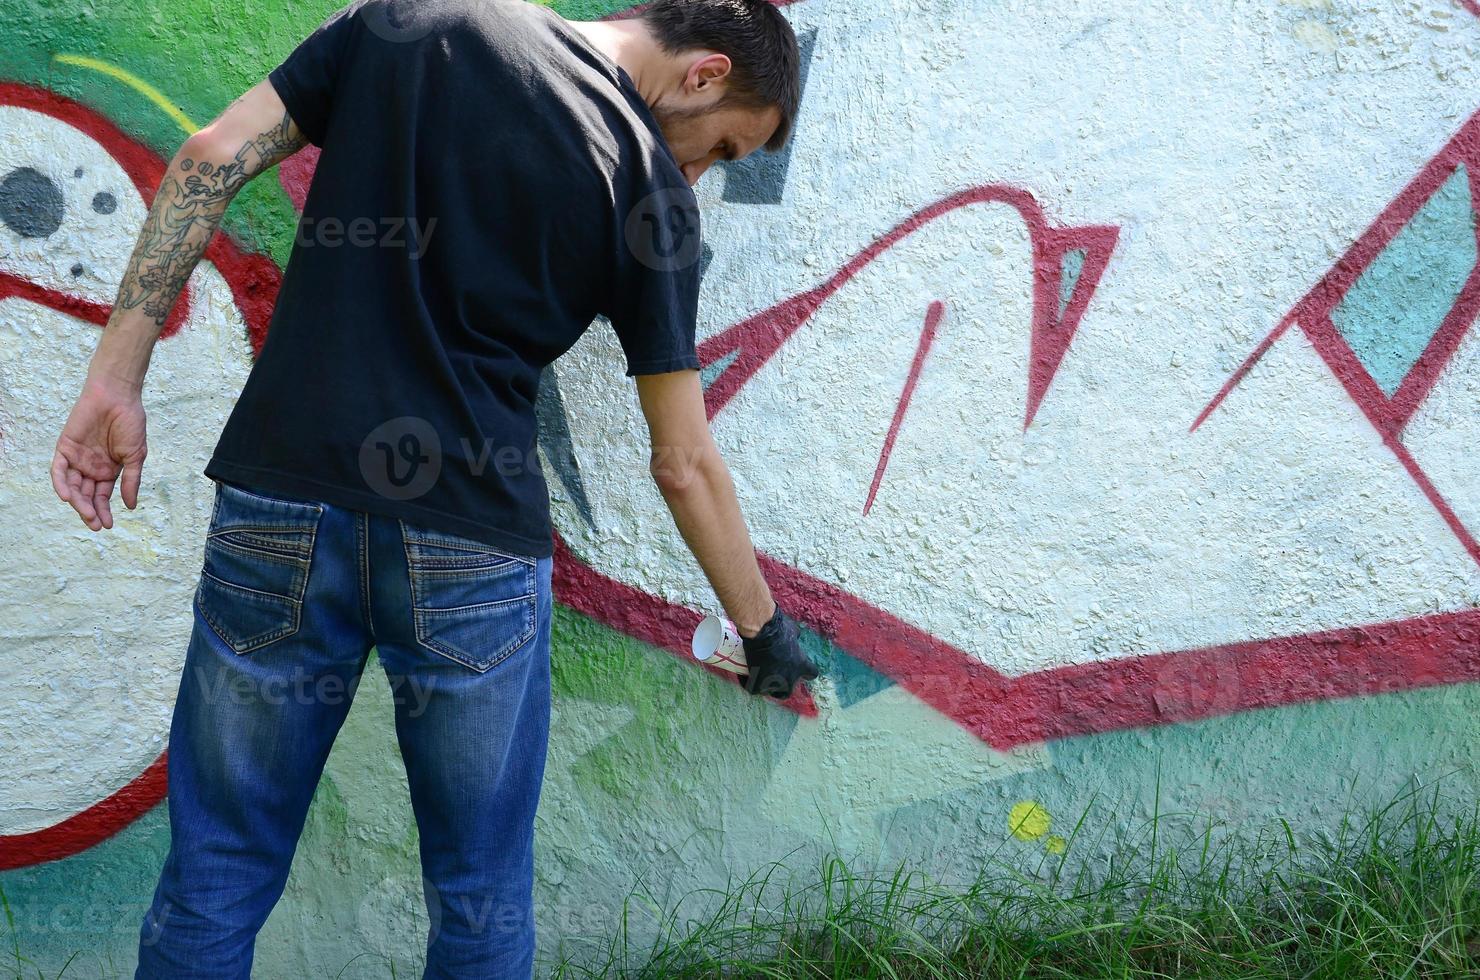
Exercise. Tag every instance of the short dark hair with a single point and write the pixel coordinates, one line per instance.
(765, 61)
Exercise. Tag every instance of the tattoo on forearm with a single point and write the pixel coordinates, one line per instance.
(186, 213)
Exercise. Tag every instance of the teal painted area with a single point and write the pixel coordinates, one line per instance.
(852, 678)
(92, 903)
(654, 779)
(1073, 268)
(1392, 312)
(710, 372)
(1309, 765)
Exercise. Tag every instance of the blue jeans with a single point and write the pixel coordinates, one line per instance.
(292, 596)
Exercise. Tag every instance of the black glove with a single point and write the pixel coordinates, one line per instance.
(775, 658)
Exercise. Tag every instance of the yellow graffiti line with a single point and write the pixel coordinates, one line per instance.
(132, 81)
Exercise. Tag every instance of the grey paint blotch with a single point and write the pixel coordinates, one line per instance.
(555, 440)
(706, 256)
(761, 177)
(30, 203)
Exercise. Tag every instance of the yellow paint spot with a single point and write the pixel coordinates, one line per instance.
(1316, 36)
(1028, 820)
(1055, 844)
(134, 82)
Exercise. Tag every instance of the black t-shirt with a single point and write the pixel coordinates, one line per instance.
(489, 185)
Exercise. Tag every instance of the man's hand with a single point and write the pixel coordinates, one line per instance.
(103, 436)
(775, 658)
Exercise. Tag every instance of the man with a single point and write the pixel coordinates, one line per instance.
(493, 178)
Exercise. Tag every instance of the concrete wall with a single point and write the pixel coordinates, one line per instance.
(1100, 380)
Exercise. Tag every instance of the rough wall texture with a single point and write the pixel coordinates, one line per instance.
(1101, 382)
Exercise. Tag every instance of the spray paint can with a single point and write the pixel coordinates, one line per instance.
(717, 642)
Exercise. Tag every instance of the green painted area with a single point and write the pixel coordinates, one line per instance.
(669, 701)
(655, 774)
(200, 56)
(657, 769)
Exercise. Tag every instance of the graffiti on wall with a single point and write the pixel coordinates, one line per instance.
(959, 347)
(95, 691)
(1033, 569)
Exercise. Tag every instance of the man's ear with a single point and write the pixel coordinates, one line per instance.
(708, 73)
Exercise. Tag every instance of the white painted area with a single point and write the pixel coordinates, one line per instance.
(100, 243)
(1241, 149)
(94, 627)
(1444, 434)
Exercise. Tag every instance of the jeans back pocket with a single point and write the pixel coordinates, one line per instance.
(258, 554)
(470, 602)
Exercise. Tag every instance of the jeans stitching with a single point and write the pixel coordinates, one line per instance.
(296, 558)
(446, 650)
(259, 641)
(304, 568)
(442, 539)
(362, 532)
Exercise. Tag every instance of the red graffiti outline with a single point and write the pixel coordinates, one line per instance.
(1313, 314)
(756, 339)
(1081, 699)
(254, 281)
(1005, 711)
(933, 316)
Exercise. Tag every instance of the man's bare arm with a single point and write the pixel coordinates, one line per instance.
(251, 135)
(696, 484)
(105, 433)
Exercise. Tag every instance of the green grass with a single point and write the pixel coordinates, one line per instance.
(1393, 893)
